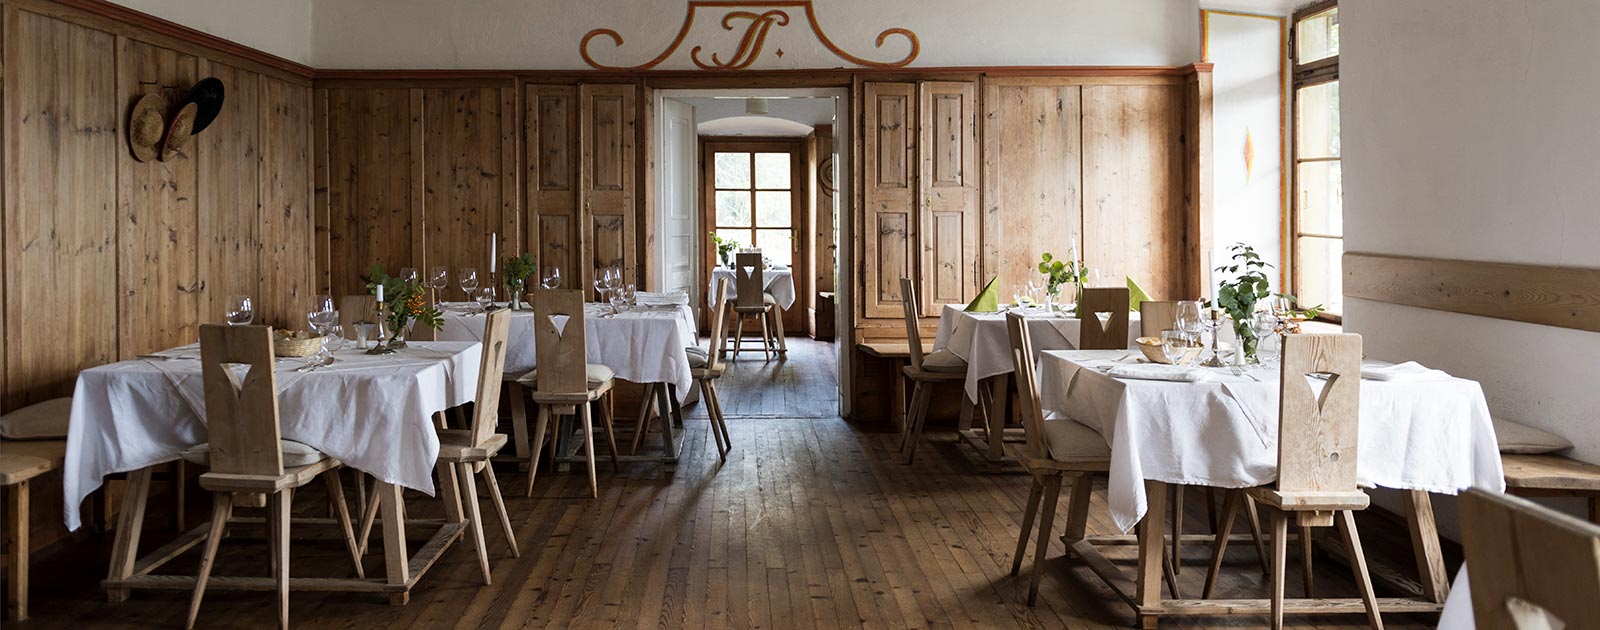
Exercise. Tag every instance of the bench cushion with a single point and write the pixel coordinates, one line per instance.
(594, 373)
(1073, 442)
(698, 358)
(944, 361)
(1522, 439)
(44, 421)
(295, 454)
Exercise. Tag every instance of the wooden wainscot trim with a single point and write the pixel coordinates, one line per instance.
(1567, 297)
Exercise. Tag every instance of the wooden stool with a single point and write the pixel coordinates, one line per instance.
(19, 463)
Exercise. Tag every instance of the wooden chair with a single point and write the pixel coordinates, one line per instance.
(925, 371)
(1529, 561)
(1157, 316)
(246, 453)
(464, 453)
(1316, 461)
(706, 367)
(1110, 333)
(752, 301)
(565, 383)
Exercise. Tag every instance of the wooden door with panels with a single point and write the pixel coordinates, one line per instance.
(754, 191)
(607, 135)
(550, 136)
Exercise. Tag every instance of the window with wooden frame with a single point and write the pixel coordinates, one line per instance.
(752, 194)
(1316, 214)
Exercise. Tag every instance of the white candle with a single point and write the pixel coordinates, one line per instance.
(493, 254)
(1211, 274)
(380, 293)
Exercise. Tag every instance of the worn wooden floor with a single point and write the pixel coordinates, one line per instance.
(808, 525)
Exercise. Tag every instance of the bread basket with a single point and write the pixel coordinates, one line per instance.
(298, 344)
(1151, 347)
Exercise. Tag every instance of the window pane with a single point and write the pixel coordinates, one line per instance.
(1319, 273)
(741, 237)
(772, 170)
(775, 244)
(1321, 198)
(773, 209)
(1317, 121)
(733, 170)
(1317, 37)
(733, 207)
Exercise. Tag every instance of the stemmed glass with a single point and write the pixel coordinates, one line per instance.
(630, 295)
(438, 279)
(552, 278)
(322, 317)
(485, 298)
(241, 310)
(1265, 324)
(614, 279)
(600, 284)
(1188, 319)
(408, 274)
(1174, 344)
(467, 277)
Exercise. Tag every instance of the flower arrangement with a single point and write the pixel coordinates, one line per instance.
(725, 248)
(1058, 272)
(407, 300)
(518, 270)
(1238, 297)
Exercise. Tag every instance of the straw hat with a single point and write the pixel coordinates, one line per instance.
(179, 132)
(145, 126)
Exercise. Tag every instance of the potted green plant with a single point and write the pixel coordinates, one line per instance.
(407, 304)
(518, 270)
(1057, 273)
(725, 248)
(1238, 297)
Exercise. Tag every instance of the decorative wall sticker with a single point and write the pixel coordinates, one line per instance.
(1249, 154)
(756, 27)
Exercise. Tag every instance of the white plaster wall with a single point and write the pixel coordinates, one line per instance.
(280, 27)
(545, 33)
(1469, 131)
(1247, 96)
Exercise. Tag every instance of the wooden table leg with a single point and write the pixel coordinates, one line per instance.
(1425, 544)
(125, 549)
(996, 421)
(1151, 536)
(449, 490)
(517, 397)
(777, 318)
(16, 545)
(395, 556)
(897, 412)
(664, 407)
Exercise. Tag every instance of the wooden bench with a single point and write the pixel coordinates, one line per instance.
(21, 461)
(898, 352)
(1553, 476)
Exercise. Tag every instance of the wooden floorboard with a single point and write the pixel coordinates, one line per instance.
(810, 523)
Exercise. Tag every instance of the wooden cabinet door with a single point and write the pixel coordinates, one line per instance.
(551, 119)
(607, 133)
(948, 190)
(888, 152)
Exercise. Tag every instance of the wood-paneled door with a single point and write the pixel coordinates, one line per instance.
(889, 146)
(948, 192)
(754, 192)
(550, 117)
(607, 136)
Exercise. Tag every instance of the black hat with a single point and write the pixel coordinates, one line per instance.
(207, 96)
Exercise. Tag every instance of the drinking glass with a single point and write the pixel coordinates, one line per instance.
(335, 341)
(1265, 324)
(321, 313)
(1174, 344)
(364, 333)
(600, 284)
(552, 278)
(438, 280)
(241, 310)
(468, 279)
(1188, 319)
(485, 298)
(408, 274)
(630, 295)
(614, 278)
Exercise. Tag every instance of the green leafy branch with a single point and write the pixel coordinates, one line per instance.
(1059, 272)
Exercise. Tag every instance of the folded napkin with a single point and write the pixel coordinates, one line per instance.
(669, 298)
(988, 300)
(1159, 372)
(1408, 371)
(1135, 295)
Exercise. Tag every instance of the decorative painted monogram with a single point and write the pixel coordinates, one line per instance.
(752, 43)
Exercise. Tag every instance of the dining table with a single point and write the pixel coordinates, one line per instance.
(1217, 427)
(374, 413)
(981, 339)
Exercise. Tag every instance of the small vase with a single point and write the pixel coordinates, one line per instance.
(1249, 343)
(516, 297)
(398, 341)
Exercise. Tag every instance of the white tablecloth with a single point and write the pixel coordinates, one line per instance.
(1457, 614)
(374, 413)
(981, 338)
(779, 283)
(646, 345)
(1222, 432)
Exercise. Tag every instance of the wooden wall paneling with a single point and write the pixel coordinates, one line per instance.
(889, 195)
(61, 165)
(1198, 195)
(285, 191)
(321, 206)
(510, 231)
(645, 217)
(462, 189)
(948, 191)
(1133, 179)
(158, 276)
(825, 241)
(1033, 182)
(369, 164)
(1535, 294)
(607, 133)
(227, 186)
(550, 120)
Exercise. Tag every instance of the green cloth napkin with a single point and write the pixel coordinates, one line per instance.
(988, 300)
(1135, 295)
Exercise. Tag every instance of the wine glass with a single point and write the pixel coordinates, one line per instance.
(1264, 324)
(467, 277)
(408, 274)
(1188, 319)
(485, 298)
(1174, 344)
(614, 278)
(552, 278)
(630, 295)
(241, 310)
(438, 279)
(600, 284)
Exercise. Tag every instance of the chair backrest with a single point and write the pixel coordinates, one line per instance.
(356, 308)
(559, 341)
(241, 415)
(908, 303)
(719, 323)
(1105, 319)
(1317, 430)
(748, 280)
(491, 373)
(1156, 316)
(1027, 385)
(1526, 557)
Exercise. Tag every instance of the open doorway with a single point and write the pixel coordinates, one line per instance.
(759, 167)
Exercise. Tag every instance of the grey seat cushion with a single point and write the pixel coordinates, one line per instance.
(43, 421)
(295, 454)
(594, 373)
(1072, 442)
(697, 357)
(943, 361)
(1521, 439)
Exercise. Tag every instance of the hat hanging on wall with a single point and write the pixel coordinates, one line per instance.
(179, 132)
(146, 125)
(207, 96)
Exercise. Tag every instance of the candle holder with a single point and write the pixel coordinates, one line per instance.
(1213, 322)
(381, 333)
